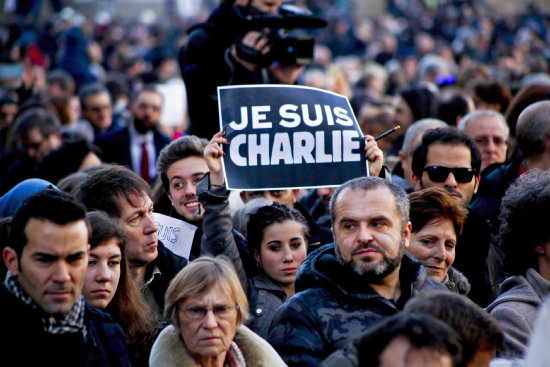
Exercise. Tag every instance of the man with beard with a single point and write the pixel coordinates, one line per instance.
(449, 159)
(346, 287)
(137, 146)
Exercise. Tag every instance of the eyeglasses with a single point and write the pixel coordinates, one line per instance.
(440, 173)
(484, 140)
(196, 313)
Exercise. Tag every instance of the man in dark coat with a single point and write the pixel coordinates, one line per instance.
(45, 319)
(346, 287)
(532, 133)
(215, 55)
(137, 145)
(125, 197)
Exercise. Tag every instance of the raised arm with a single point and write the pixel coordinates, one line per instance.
(218, 236)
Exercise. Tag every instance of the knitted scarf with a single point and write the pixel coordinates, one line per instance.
(72, 322)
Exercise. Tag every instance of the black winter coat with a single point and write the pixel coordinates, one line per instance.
(334, 305)
(206, 63)
(25, 343)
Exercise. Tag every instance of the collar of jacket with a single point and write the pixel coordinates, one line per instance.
(322, 269)
(263, 281)
(169, 351)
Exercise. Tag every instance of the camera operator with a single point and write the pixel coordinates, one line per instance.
(228, 49)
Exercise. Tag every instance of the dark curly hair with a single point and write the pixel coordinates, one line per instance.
(268, 215)
(523, 219)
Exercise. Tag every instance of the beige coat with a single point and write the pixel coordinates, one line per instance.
(168, 350)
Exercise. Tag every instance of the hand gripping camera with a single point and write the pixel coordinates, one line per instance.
(284, 48)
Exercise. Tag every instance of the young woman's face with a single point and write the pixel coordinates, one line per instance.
(282, 251)
(103, 274)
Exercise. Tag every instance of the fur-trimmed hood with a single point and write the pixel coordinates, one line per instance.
(457, 282)
(168, 350)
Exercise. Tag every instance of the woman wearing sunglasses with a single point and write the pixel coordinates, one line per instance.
(437, 221)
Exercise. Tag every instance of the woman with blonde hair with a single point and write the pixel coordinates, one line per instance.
(207, 306)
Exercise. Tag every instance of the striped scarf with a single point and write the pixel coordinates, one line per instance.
(73, 322)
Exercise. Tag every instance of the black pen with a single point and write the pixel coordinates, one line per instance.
(388, 132)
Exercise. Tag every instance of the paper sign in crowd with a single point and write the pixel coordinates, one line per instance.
(175, 234)
(283, 136)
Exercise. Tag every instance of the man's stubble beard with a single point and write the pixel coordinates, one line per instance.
(462, 200)
(373, 272)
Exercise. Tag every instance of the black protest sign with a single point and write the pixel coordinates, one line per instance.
(288, 137)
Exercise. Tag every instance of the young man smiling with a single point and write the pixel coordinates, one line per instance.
(181, 165)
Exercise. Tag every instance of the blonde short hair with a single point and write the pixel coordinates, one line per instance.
(198, 277)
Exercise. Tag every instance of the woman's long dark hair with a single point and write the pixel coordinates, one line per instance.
(127, 306)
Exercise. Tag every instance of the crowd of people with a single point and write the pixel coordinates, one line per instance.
(438, 255)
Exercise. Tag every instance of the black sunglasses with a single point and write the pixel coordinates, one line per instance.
(440, 173)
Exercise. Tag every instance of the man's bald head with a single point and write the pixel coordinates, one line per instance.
(533, 129)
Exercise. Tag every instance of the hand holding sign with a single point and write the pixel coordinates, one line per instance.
(213, 154)
(282, 136)
(374, 155)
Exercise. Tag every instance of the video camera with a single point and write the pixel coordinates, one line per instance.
(284, 49)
